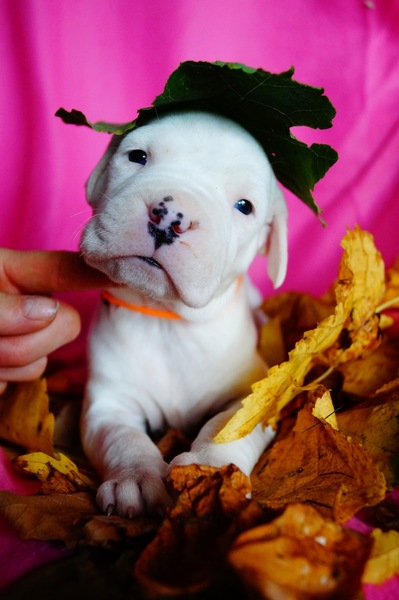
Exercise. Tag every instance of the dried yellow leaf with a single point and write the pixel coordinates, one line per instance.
(383, 562)
(340, 337)
(42, 466)
(360, 288)
(25, 418)
(362, 268)
(324, 410)
(392, 284)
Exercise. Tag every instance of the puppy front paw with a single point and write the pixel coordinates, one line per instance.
(202, 457)
(185, 459)
(133, 492)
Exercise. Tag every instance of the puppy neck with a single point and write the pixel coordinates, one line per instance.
(124, 299)
(149, 311)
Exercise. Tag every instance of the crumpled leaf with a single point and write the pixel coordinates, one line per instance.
(107, 531)
(384, 558)
(360, 288)
(58, 474)
(347, 334)
(73, 519)
(365, 375)
(392, 284)
(283, 382)
(300, 555)
(188, 551)
(325, 411)
(375, 424)
(385, 515)
(266, 104)
(25, 418)
(319, 466)
(55, 517)
(289, 315)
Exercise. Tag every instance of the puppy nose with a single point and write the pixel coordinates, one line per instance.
(166, 213)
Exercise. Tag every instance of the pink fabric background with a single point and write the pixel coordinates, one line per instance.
(110, 57)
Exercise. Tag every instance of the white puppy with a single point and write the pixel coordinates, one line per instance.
(181, 207)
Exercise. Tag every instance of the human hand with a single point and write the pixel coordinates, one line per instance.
(33, 324)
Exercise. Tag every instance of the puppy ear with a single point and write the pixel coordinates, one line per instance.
(97, 180)
(277, 243)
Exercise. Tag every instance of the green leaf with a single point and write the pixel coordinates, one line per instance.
(266, 104)
(75, 117)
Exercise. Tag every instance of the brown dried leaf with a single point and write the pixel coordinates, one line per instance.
(57, 483)
(384, 516)
(317, 465)
(106, 531)
(271, 342)
(375, 424)
(25, 418)
(290, 315)
(189, 549)
(47, 518)
(300, 556)
(70, 518)
(367, 374)
(173, 442)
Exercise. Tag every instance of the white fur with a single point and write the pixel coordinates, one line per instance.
(151, 373)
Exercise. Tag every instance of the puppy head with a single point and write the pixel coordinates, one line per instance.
(181, 206)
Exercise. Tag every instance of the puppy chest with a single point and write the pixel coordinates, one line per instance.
(175, 374)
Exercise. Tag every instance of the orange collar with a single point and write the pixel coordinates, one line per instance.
(146, 310)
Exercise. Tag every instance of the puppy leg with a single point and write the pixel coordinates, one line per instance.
(130, 465)
(244, 453)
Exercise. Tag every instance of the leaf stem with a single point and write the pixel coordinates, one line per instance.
(387, 304)
(319, 379)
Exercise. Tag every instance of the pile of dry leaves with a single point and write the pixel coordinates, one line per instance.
(332, 392)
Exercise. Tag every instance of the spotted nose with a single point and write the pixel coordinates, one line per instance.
(166, 215)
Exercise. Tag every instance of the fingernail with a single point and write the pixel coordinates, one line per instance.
(40, 307)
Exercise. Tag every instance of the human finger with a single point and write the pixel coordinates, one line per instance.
(25, 314)
(24, 373)
(45, 272)
(22, 350)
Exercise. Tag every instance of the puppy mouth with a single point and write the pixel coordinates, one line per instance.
(150, 261)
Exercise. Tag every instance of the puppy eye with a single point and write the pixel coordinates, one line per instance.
(138, 156)
(244, 206)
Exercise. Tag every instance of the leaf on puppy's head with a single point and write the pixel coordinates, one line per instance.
(76, 117)
(264, 103)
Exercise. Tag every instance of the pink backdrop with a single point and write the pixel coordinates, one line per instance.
(110, 57)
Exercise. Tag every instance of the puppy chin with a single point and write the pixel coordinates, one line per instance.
(151, 280)
(193, 295)
(134, 273)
